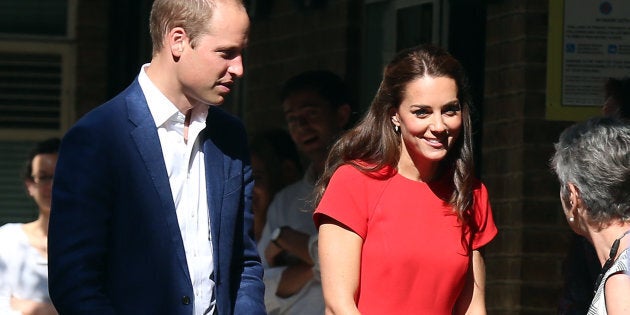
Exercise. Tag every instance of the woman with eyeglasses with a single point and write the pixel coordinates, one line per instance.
(23, 246)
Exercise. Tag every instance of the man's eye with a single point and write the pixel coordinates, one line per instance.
(311, 114)
(228, 54)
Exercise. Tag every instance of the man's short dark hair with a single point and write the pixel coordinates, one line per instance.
(325, 83)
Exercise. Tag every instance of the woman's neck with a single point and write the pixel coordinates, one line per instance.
(603, 240)
(422, 171)
(37, 234)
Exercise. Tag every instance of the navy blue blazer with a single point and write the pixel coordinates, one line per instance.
(114, 241)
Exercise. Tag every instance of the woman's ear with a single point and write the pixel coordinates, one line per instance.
(31, 187)
(395, 120)
(575, 201)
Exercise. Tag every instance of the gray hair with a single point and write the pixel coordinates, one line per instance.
(594, 156)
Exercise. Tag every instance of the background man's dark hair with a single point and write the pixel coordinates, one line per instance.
(326, 83)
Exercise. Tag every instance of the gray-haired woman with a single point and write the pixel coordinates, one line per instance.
(592, 161)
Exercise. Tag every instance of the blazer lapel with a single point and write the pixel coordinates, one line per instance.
(147, 141)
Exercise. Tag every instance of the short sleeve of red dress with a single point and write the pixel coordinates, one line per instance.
(483, 225)
(345, 200)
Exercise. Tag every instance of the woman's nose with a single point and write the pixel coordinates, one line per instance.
(437, 125)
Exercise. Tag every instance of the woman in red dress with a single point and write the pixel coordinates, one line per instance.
(402, 219)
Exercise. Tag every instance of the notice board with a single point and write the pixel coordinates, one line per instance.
(588, 42)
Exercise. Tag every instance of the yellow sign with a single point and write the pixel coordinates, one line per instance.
(588, 42)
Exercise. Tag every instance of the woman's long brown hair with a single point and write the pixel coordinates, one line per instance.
(373, 145)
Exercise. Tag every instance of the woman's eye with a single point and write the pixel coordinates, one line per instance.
(452, 110)
(421, 112)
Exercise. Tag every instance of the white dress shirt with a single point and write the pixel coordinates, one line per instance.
(186, 172)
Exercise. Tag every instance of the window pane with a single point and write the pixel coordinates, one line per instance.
(414, 26)
(33, 17)
(15, 204)
(30, 90)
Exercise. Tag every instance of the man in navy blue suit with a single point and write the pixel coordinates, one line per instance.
(151, 210)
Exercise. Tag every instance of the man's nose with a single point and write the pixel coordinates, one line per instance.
(236, 67)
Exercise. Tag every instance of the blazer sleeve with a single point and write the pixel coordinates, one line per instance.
(250, 297)
(78, 224)
(245, 276)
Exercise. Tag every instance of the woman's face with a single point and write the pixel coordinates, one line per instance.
(430, 118)
(40, 185)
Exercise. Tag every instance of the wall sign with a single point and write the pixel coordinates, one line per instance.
(588, 42)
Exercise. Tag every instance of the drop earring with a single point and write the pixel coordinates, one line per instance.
(396, 128)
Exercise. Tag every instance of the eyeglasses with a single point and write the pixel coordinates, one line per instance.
(42, 180)
(304, 116)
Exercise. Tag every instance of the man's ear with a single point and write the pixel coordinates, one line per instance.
(176, 40)
(343, 115)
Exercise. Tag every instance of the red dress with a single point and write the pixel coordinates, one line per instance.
(415, 252)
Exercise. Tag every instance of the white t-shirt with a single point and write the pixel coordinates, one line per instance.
(23, 270)
(291, 206)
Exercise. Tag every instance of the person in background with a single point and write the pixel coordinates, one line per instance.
(151, 208)
(275, 164)
(402, 219)
(581, 265)
(23, 247)
(317, 109)
(592, 163)
(617, 98)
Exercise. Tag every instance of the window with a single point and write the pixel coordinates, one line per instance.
(36, 89)
(36, 67)
(391, 25)
(15, 204)
(34, 18)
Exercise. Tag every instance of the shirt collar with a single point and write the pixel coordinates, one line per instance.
(160, 107)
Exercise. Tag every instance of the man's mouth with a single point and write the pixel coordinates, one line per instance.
(310, 140)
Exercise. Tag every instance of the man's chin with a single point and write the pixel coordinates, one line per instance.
(311, 150)
(214, 101)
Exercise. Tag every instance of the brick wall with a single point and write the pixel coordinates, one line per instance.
(289, 40)
(524, 262)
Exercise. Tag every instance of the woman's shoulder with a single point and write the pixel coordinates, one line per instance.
(479, 187)
(367, 171)
(622, 264)
(11, 236)
(10, 229)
